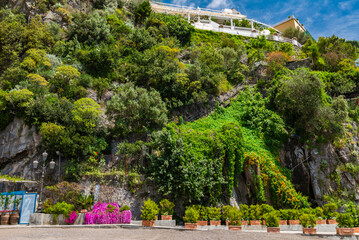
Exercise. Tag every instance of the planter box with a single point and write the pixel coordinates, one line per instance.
(324, 221)
(356, 229)
(214, 223)
(49, 219)
(166, 217)
(146, 223)
(293, 222)
(345, 231)
(5, 219)
(273, 229)
(309, 231)
(202, 223)
(264, 222)
(244, 222)
(234, 228)
(255, 222)
(332, 221)
(282, 222)
(14, 218)
(192, 226)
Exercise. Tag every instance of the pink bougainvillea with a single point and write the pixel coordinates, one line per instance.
(72, 218)
(107, 213)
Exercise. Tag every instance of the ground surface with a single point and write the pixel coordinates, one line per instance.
(139, 234)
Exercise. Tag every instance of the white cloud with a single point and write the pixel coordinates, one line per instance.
(217, 4)
(346, 5)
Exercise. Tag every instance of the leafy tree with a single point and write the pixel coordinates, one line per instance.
(142, 12)
(136, 110)
(86, 114)
(301, 36)
(90, 29)
(65, 78)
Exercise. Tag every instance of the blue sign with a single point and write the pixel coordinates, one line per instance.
(28, 205)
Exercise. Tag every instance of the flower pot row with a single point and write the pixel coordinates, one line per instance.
(7, 218)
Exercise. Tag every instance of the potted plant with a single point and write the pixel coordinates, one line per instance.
(254, 215)
(345, 224)
(243, 208)
(225, 214)
(265, 208)
(5, 214)
(283, 215)
(203, 215)
(15, 215)
(320, 216)
(272, 222)
(191, 216)
(166, 209)
(353, 210)
(149, 212)
(293, 216)
(84, 202)
(308, 222)
(330, 212)
(234, 219)
(214, 215)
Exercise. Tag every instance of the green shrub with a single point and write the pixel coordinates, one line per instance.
(329, 210)
(308, 220)
(167, 207)
(191, 215)
(203, 213)
(272, 219)
(244, 211)
(226, 211)
(283, 214)
(254, 212)
(85, 201)
(149, 210)
(318, 212)
(345, 220)
(214, 213)
(60, 208)
(353, 210)
(234, 216)
(265, 208)
(293, 214)
(124, 208)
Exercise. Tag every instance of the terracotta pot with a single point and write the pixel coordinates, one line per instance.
(309, 231)
(5, 219)
(273, 229)
(234, 228)
(190, 226)
(283, 222)
(332, 221)
(254, 222)
(202, 223)
(321, 221)
(356, 229)
(83, 211)
(147, 223)
(214, 223)
(293, 222)
(345, 231)
(264, 222)
(14, 218)
(166, 217)
(244, 222)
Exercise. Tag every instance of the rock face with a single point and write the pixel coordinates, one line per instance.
(326, 170)
(18, 139)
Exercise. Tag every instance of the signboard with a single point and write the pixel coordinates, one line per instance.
(28, 205)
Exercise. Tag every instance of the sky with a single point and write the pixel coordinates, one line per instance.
(320, 18)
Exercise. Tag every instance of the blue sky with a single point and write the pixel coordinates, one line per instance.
(320, 18)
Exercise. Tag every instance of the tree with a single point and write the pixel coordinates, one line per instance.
(90, 29)
(301, 36)
(136, 110)
(86, 114)
(142, 12)
(64, 77)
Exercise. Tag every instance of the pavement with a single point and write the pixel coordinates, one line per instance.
(137, 232)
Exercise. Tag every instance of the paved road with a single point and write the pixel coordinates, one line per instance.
(139, 234)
